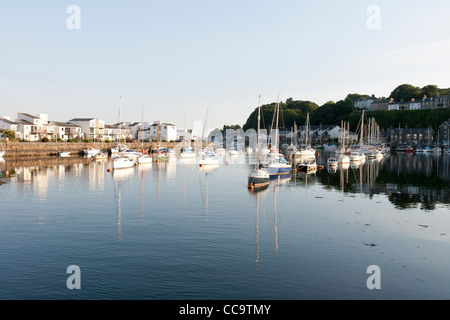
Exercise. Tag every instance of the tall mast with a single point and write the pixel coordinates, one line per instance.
(278, 111)
(142, 132)
(118, 123)
(185, 133)
(257, 134)
(361, 140)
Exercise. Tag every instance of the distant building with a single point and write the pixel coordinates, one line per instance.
(32, 128)
(365, 103)
(381, 105)
(162, 131)
(425, 103)
(413, 137)
(27, 130)
(6, 123)
(190, 133)
(91, 128)
(444, 133)
(66, 130)
(115, 132)
(393, 106)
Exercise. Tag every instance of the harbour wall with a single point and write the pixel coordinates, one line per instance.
(43, 149)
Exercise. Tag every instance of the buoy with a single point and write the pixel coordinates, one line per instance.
(109, 170)
(201, 165)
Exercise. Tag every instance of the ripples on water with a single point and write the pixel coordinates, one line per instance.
(176, 231)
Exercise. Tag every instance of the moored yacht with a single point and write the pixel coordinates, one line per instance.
(122, 163)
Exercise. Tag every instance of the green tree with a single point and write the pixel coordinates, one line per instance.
(406, 92)
(4, 133)
(430, 91)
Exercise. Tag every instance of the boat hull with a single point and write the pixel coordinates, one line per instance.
(122, 163)
(185, 155)
(278, 170)
(307, 168)
(144, 159)
(258, 182)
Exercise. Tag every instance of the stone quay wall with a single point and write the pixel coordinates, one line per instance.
(37, 149)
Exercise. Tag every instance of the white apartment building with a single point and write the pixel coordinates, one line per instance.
(65, 130)
(167, 132)
(32, 128)
(6, 123)
(91, 128)
(114, 131)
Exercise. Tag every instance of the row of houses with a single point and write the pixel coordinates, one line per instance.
(375, 104)
(36, 127)
(420, 136)
(394, 136)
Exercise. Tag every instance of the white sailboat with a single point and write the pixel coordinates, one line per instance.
(343, 158)
(187, 152)
(305, 149)
(259, 177)
(91, 151)
(120, 161)
(278, 164)
(143, 158)
(207, 157)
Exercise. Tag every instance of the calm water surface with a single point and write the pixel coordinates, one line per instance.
(177, 231)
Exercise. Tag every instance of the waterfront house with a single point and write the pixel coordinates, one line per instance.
(189, 133)
(412, 137)
(91, 128)
(444, 133)
(65, 130)
(32, 128)
(167, 131)
(113, 132)
(135, 127)
(27, 130)
(7, 124)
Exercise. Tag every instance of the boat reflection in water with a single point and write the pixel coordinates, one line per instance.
(408, 180)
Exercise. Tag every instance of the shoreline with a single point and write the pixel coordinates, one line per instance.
(45, 149)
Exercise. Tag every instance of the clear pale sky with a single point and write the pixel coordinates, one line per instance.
(180, 57)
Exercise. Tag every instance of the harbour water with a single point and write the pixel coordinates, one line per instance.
(174, 230)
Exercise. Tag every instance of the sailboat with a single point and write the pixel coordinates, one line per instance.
(306, 149)
(120, 161)
(101, 156)
(305, 157)
(278, 164)
(292, 148)
(188, 151)
(144, 158)
(343, 158)
(160, 153)
(259, 177)
(207, 157)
